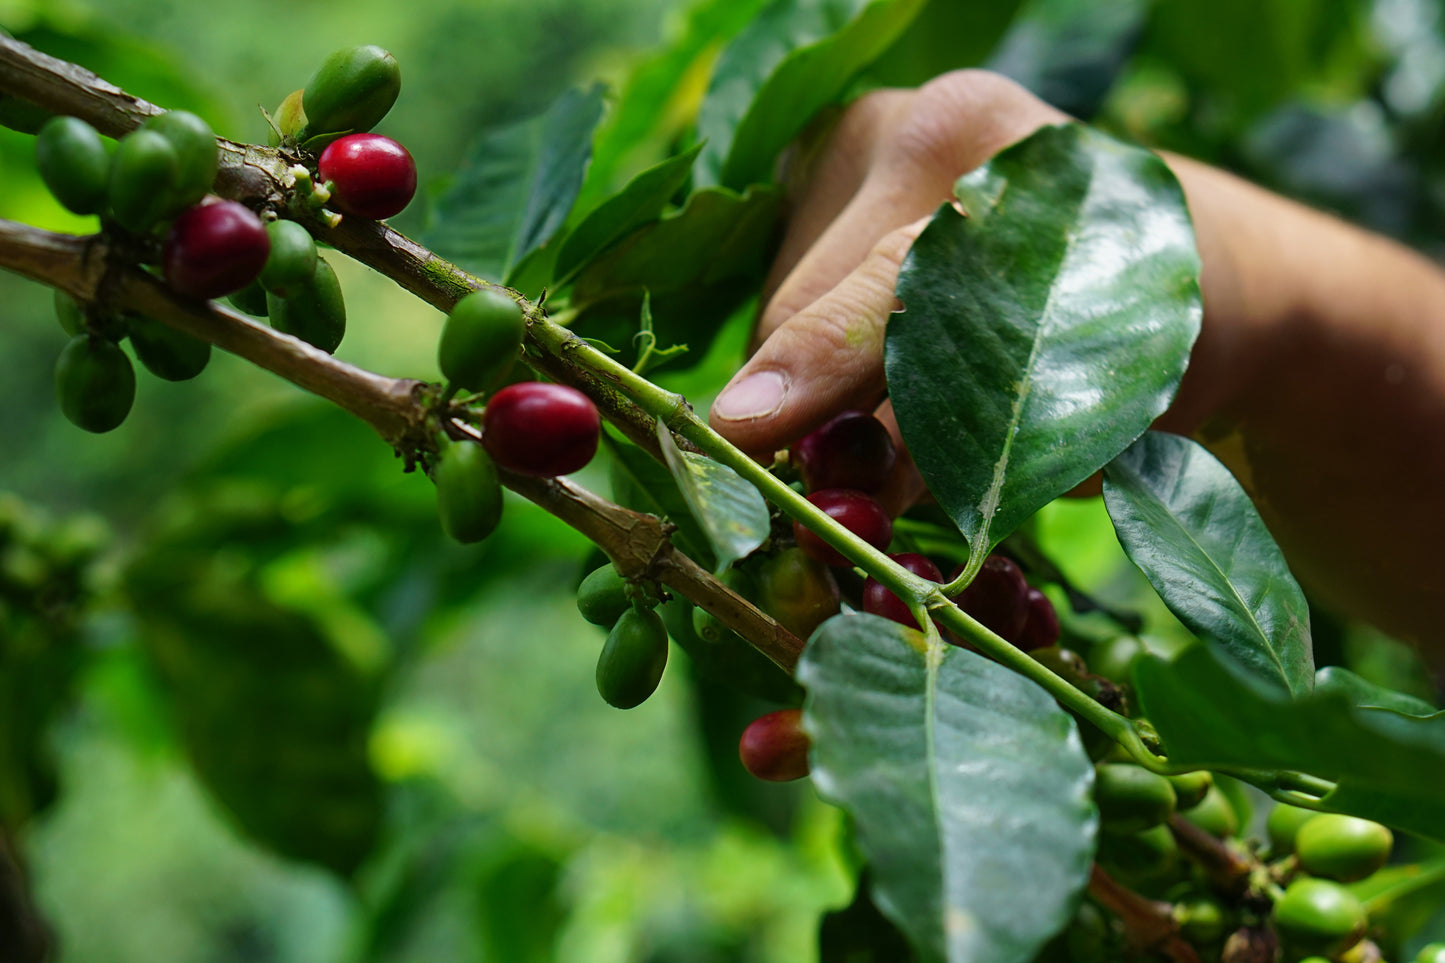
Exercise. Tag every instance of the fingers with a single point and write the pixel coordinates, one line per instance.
(823, 359)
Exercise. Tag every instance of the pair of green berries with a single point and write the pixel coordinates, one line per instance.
(297, 289)
(630, 665)
(165, 166)
(94, 379)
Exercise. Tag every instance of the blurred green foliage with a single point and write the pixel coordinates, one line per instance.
(489, 806)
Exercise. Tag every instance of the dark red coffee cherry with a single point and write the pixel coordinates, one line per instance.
(775, 747)
(1041, 622)
(214, 249)
(997, 597)
(853, 450)
(877, 600)
(856, 512)
(541, 429)
(370, 175)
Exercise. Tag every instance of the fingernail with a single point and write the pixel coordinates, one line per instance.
(756, 396)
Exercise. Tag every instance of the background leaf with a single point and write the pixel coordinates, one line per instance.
(640, 483)
(1362, 692)
(516, 187)
(944, 36)
(960, 775)
(1389, 767)
(797, 57)
(1192, 530)
(727, 506)
(1044, 331)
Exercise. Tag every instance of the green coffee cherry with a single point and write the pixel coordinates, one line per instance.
(22, 115)
(1318, 916)
(292, 261)
(1131, 798)
(480, 339)
(95, 383)
(469, 494)
(1201, 920)
(197, 157)
(602, 596)
(143, 175)
(797, 590)
(709, 627)
(632, 659)
(351, 91)
(1283, 824)
(251, 299)
(1140, 858)
(1087, 938)
(69, 313)
(1114, 658)
(73, 163)
(1342, 848)
(317, 314)
(166, 352)
(1190, 788)
(1214, 814)
(1431, 953)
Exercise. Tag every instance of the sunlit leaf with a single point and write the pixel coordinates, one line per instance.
(1045, 328)
(727, 506)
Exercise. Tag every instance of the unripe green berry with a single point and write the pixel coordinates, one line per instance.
(1131, 798)
(1318, 916)
(480, 339)
(95, 383)
(602, 596)
(1190, 788)
(632, 659)
(69, 313)
(1431, 953)
(1283, 824)
(1215, 814)
(292, 262)
(1342, 848)
(316, 313)
(197, 156)
(352, 90)
(469, 494)
(143, 175)
(73, 163)
(167, 352)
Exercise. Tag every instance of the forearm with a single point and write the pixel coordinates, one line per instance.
(1320, 378)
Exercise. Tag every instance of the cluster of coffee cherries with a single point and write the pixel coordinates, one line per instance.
(151, 196)
(361, 173)
(633, 657)
(530, 427)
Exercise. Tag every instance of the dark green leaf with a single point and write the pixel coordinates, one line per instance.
(1362, 692)
(964, 780)
(1401, 899)
(797, 57)
(727, 506)
(1389, 767)
(1192, 530)
(1045, 330)
(643, 485)
(641, 201)
(947, 35)
(516, 187)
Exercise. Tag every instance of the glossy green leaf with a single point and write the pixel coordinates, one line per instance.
(516, 187)
(1190, 527)
(641, 201)
(963, 778)
(795, 58)
(1362, 692)
(1401, 899)
(945, 36)
(1389, 767)
(1045, 330)
(640, 483)
(727, 506)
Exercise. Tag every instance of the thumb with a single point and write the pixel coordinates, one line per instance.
(823, 360)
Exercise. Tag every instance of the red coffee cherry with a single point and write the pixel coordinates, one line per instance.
(214, 249)
(853, 450)
(856, 512)
(1041, 622)
(775, 747)
(877, 600)
(541, 429)
(371, 176)
(997, 597)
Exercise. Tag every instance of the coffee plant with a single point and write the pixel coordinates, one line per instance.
(1024, 775)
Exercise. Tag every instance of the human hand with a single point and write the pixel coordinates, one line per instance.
(859, 201)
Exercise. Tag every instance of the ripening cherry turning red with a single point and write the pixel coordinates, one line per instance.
(370, 175)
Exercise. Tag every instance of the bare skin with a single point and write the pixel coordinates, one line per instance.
(1318, 377)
